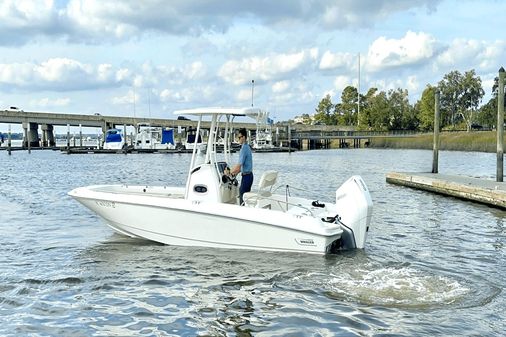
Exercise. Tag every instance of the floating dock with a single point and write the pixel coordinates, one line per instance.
(480, 190)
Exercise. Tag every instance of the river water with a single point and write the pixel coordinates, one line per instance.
(433, 265)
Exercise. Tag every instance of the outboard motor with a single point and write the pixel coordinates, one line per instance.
(354, 206)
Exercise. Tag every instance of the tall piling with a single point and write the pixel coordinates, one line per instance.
(9, 142)
(435, 145)
(289, 138)
(500, 126)
(68, 138)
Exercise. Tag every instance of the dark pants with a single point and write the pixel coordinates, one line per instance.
(246, 183)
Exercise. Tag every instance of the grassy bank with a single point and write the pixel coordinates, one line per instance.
(482, 141)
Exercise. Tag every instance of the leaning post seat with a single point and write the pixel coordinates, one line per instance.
(267, 181)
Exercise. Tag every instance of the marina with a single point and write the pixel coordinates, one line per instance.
(433, 265)
(234, 168)
(39, 132)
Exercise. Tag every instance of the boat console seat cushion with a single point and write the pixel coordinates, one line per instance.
(265, 185)
(267, 180)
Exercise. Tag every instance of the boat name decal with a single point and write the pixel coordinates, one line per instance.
(305, 242)
(340, 196)
(104, 203)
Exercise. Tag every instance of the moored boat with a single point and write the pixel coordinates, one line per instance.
(149, 137)
(114, 140)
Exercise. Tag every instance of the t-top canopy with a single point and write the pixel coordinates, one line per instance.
(250, 112)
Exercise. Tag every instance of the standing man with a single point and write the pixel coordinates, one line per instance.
(245, 165)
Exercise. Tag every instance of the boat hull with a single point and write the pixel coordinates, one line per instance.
(170, 219)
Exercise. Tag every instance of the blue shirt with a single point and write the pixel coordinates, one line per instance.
(246, 159)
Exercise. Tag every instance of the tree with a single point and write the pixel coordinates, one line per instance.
(471, 97)
(460, 97)
(400, 115)
(425, 107)
(378, 111)
(487, 114)
(325, 112)
(348, 108)
(365, 118)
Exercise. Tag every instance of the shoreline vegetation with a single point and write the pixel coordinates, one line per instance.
(478, 141)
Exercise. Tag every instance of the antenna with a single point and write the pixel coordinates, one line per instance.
(358, 93)
(252, 90)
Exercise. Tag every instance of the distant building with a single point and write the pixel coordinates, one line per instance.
(304, 119)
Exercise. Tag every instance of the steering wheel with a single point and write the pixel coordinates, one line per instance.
(228, 178)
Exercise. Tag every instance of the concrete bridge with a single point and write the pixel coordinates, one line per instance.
(299, 135)
(32, 120)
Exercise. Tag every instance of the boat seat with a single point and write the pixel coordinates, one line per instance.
(264, 191)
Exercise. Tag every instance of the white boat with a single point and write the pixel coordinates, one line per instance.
(149, 137)
(263, 135)
(205, 212)
(114, 140)
(192, 141)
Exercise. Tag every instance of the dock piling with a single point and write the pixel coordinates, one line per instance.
(9, 143)
(500, 126)
(435, 155)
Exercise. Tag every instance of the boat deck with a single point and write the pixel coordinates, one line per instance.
(480, 190)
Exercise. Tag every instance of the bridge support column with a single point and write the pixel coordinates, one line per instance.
(47, 135)
(31, 135)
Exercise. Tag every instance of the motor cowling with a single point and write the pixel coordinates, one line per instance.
(354, 206)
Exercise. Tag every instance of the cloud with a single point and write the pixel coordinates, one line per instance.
(130, 98)
(65, 74)
(20, 20)
(280, 86)
(332, 61)
(95, 21)
(268, 68)
(412, 49)
(358, 14)
(461, 52)
(342, 82)
(50, 103)
(59, 74)
(202, 94)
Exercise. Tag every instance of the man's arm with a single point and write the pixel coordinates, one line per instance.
(235, 169)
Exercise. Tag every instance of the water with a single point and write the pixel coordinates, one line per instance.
(433, 265)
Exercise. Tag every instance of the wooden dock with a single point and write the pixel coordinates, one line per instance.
(480, 190)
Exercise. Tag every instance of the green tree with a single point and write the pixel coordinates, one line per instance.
(487, 114)
(425, 108)
(325, 112)
(400, 115)
(365, 120)
(348, 108)
(460, 97)
(378, 109)
(471, 97)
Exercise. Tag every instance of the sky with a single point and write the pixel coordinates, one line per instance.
(148, 58)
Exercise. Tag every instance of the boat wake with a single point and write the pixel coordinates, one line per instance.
(402, 287)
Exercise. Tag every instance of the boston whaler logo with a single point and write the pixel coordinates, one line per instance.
(104, 203)
(305, 242)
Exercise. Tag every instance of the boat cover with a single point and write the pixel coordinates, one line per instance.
(168, 136)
